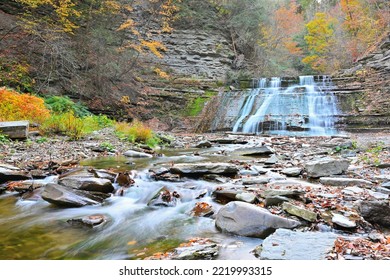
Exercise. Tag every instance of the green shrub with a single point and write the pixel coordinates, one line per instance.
(4, 139)
(63, 104)
(107, 146)
(93, 122)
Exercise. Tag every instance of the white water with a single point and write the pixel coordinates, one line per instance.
(306, 107)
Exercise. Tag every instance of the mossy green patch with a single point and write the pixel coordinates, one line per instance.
(196, 105)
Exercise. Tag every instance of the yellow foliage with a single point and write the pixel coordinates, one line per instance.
(125, 99)
(16, 106)
(161, 73)
(154, 46)
(135, 132)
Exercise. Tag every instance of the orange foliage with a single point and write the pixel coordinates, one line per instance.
(15, 106)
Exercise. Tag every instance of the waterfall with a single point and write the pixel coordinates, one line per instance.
(306, 108)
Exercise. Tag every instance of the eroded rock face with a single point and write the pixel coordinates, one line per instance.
(326, 167)
(249, 220)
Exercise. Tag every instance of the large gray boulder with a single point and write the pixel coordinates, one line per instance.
(246, 219)
(326, 167)
(68, 197)
(290, 245)
(377, 212)
(198, 169)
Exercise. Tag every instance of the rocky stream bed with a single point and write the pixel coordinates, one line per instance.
(208, 196)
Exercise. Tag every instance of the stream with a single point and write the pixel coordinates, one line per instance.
(34, 229)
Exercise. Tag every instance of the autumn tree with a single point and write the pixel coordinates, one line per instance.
(279, 38)
(363, 25)
(319, 40)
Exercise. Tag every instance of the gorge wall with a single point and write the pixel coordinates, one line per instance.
(366, 90)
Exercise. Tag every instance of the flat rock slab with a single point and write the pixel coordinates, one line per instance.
(299, 212)
(88, 184)
(246, 219)
(67, 197)
(343, 221)
(15, 130)
(325, 167)
(290, 245)
(198, 169)
(229, 141)
(255, 180)
(286, 193)
(339, 182)
(12, 174)
(254, 151)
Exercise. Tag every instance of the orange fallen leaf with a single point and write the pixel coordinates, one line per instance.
(132, 242)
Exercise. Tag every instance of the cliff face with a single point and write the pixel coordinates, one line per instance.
(198, 55)
(366, 88)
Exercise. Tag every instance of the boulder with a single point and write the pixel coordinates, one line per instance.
(377, 212)
(68, 197)
(135, 154)
(88, 184)
(15, 129)
(246, 219)
(340, 182)
(91, 221)
(199, 169)
(163, 197)
(325, 167)
(204, 144)
(299, 212)
(290, 245)
(292, 171)
(343, 221)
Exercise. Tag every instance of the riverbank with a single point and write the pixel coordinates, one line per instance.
(331, 192)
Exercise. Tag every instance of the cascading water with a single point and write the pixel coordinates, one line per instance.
(307, 108)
